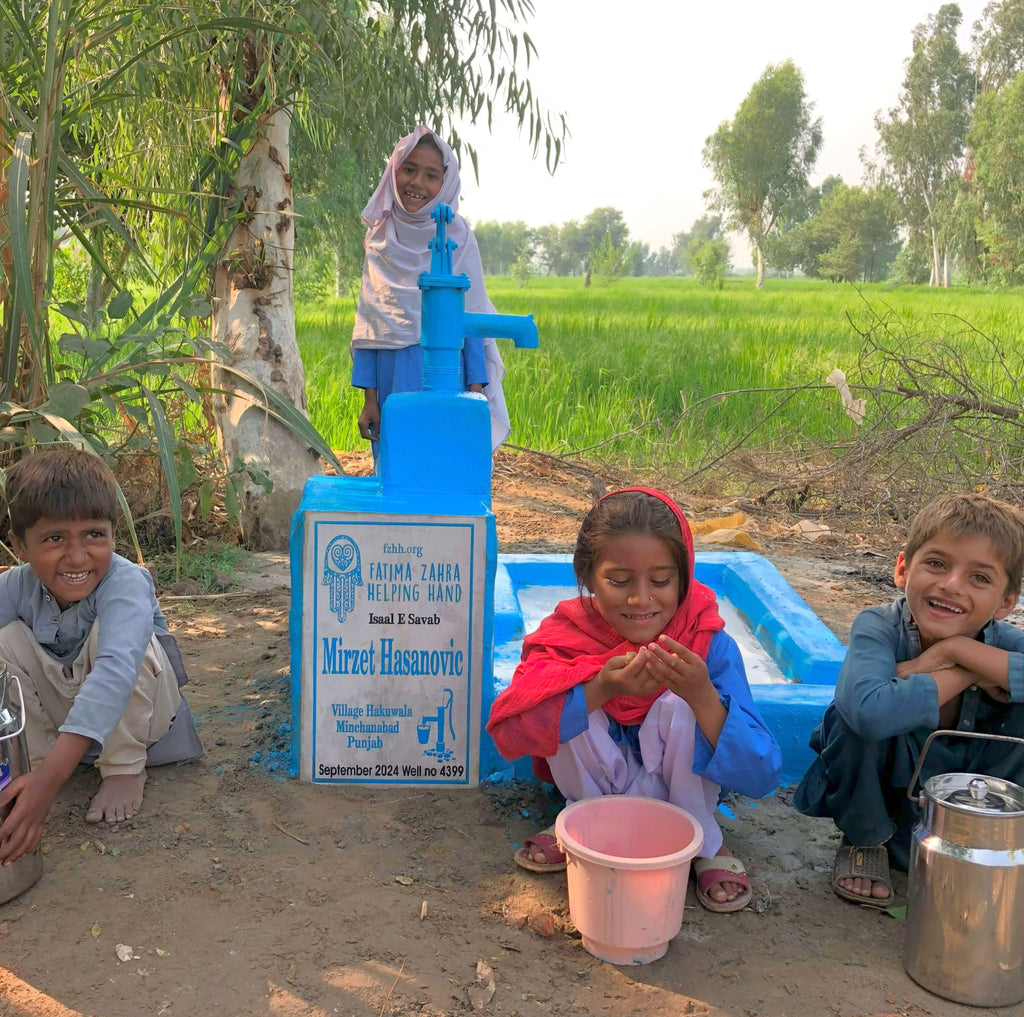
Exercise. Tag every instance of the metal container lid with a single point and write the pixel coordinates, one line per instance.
(977, 793)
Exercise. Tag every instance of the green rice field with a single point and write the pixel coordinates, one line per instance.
(635, 372)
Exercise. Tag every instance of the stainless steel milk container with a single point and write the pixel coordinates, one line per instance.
(965, 912)
(16, 878)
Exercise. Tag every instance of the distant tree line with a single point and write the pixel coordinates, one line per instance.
(943, 185)
(942, 195)
(599, 245)
(571, 248)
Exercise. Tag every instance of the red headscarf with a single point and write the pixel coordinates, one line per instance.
(572, 645)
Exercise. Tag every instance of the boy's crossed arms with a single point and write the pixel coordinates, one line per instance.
(957, 663)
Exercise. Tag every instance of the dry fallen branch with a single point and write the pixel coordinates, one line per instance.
(288, 833)
(942, 412)
(963, 402)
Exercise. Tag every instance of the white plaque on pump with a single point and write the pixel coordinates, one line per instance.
(392, 635)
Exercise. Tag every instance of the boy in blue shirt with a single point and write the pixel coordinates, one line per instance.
(81, 628)
(938, 657)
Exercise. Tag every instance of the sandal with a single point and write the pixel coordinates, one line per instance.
(547, 843)
(864, 862)
(721, 868)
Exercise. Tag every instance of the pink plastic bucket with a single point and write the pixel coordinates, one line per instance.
(628, 863)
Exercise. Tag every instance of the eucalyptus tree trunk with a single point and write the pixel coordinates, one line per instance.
(935, 278)
(253, 315)
(759, 279)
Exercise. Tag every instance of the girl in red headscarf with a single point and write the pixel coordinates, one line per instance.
(636, 688)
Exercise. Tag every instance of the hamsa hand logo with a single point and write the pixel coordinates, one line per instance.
(342, 574)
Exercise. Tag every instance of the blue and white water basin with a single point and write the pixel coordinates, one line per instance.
(791, 657)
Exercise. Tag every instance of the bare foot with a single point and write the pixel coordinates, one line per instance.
(726, 890)
(119, 798)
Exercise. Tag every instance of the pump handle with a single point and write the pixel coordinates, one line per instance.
(951, 734)
(441, 248)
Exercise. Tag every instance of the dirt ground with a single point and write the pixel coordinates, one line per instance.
(239, 891)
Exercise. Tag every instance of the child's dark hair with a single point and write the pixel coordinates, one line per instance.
(428, 139)
(973, 515)
(65, 483)
(622, 513)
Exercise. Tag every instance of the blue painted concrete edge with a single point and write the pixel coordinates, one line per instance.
(806, 650)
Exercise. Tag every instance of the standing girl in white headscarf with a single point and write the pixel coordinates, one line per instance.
(386, 352)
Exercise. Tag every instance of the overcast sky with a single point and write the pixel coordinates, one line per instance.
(645, 82)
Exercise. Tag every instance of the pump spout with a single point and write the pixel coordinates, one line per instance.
(520, 328)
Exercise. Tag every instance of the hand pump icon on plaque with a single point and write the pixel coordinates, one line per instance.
(440, 751)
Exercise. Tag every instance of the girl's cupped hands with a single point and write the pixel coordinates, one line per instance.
(627, 675)
(676, 668)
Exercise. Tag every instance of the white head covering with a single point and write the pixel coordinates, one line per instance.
(397, 246)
